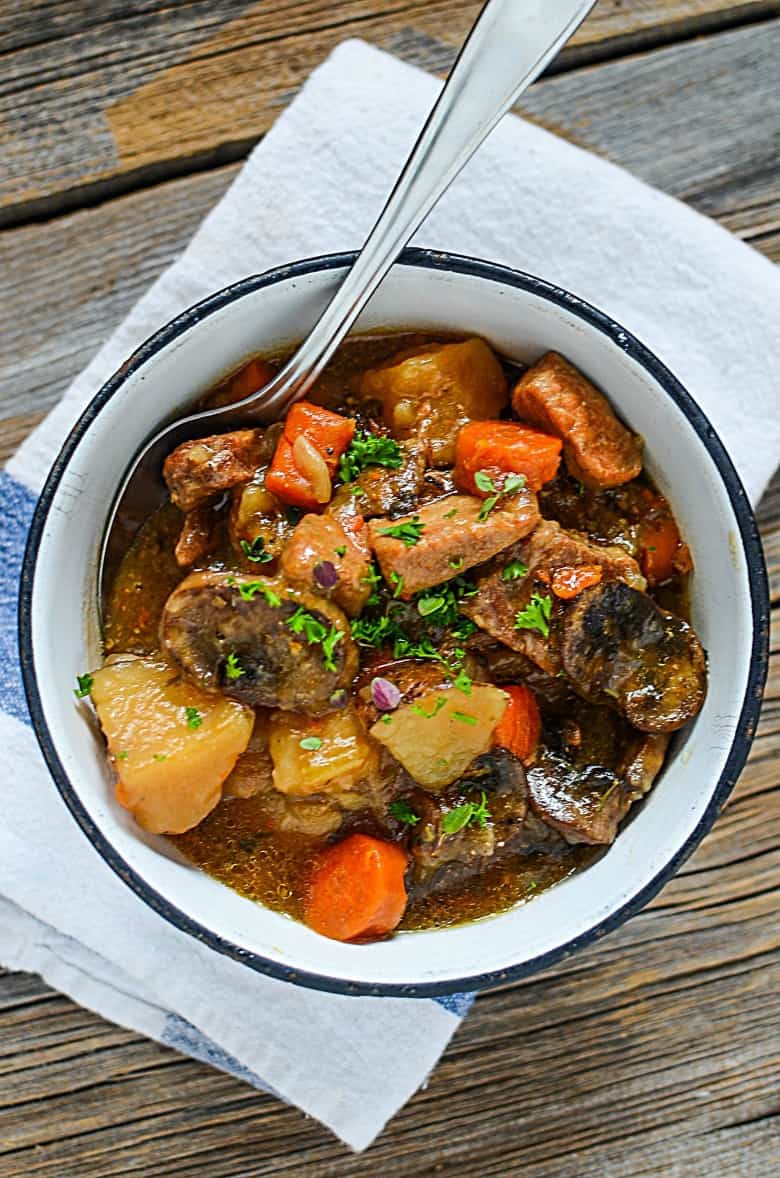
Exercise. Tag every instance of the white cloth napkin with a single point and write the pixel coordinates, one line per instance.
(708, 305)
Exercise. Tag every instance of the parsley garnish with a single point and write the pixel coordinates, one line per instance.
(369, 450)
(451, 513)
(194, 718)
(340, 550)
(465, 718)
(250, 589)
(456, 562)
(85, 683)
(373, 578)
(256, 551)
(536, 615)
(233, 668)
(311, 743)
(408, 532)
(483, 482)
(514, 570)
(403, 812)
(398, 582)
(161, 756)
(419, 710)
(123, 755)
(329, 643)
(430, 605)
(463, 682)
(466, 815)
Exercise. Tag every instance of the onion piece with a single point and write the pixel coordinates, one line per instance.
(313, 467)
(325, 574)
(385, 695)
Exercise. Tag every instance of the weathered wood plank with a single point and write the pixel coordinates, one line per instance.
(94, 264)
(98, 95)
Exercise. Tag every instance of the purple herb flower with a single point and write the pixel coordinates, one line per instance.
(325, 574)
(385, 694)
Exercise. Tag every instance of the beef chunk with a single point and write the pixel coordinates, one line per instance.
(200, 470)
(557, 398)
(497, 602)
(466, 851)
(644, 760)
(451, 539)
(245, 646)
(197, 536)
(617, 645)
(430, 392)
(328, 560)
(384, 491)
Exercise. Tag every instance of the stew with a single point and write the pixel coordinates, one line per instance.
(410, 655)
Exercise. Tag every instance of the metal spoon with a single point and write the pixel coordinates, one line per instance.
(510, 44)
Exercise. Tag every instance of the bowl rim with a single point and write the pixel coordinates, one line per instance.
(749, 536)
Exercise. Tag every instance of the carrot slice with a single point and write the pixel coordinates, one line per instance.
(328, 433)
(357, 890)
(570, 580)
(521, 725)
(500, 448)
(250, 378)
(659, 543)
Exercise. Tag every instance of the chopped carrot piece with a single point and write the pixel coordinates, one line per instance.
(521, 725)
(250, 378)
(500, 448)
(569, 581)
(289, 476)
(659, 545)
(357, 891)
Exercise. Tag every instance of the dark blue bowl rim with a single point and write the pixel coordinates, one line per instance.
(748, 719)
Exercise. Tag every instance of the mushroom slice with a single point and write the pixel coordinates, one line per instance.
(260, 642)
(619, 646)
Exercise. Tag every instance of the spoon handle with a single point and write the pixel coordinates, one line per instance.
(510, 44)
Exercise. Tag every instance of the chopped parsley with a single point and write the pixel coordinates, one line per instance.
(456, 562)
(341, 550)
(409, 533)
(463, 682)
(311, 743)
(194, 718)
(403, 812)
(483, 482)
(366, 450)
(398, 582)
(419, 710)
(465, 718)
(85, 684)
(256, 551)
(536, 615)
(430, 605)
(123, 755)
(161, 756)
(468, 814)
(451, 513)
(249, 590)
(329, 643)
(439, 611)
(373, 578)
(514, 571)
(302, 622)
(233, 668)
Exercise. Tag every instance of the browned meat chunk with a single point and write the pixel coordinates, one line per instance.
(618, 646)
(597, 448)
(584, 805)
(432, 391)
(384, 491)
(275, 648)
(498, 601)
(643, 761)
(447, 537)
(199, 470)
(197, 536)
(326, 558)
(442, 848)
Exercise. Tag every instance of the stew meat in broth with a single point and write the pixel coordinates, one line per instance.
(408, 656)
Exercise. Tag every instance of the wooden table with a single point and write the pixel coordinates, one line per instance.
(655, 1052)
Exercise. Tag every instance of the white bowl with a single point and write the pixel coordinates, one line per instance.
(522, 317)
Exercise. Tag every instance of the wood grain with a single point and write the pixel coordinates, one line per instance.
(95, 263)
(92, 98)
(654, 1054)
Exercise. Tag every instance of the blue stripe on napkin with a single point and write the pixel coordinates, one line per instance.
(16, 510)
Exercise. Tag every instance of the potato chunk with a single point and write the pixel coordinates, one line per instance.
(170, 767)
(438, 736)
(329, 755)
(436, 389)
